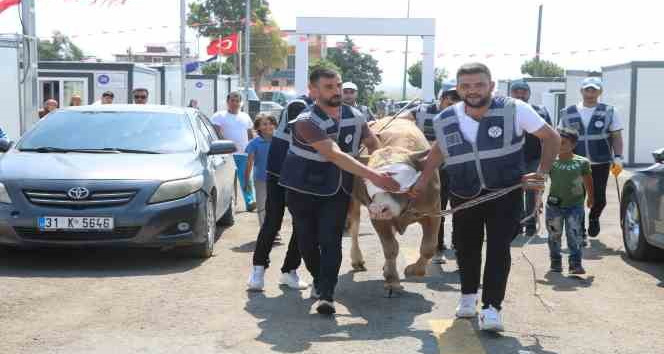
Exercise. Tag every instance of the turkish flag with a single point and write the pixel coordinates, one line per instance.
(5, 4)
(224, 46)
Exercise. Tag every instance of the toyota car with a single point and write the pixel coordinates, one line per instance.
(117, 175)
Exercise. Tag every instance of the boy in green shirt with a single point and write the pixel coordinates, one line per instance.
(571, 179)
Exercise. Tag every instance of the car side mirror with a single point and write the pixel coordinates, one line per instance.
(222, 147)
(5, 145)
(658, 155)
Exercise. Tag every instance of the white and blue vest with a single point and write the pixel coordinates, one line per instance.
(282, 136)
(493, 162)
(307, 171)
(595, 139)
(424, 115)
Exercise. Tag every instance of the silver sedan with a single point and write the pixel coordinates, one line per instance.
(642, 211)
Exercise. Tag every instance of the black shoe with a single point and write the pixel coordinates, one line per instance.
(531, 231)
(556, 266)
(577, 270)
(593, 227)
(325, 307)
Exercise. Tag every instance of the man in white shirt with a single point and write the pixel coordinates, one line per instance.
(600, 140)
(237, 127)
(481, 140)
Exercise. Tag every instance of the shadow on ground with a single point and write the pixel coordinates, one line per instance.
(97, 262)
(289, 327)
(560, 282)
(653, 268)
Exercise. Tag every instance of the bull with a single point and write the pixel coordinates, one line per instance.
(403, 150)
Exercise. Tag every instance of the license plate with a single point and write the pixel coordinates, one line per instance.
(53, 223)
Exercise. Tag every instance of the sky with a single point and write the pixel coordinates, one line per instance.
(594, 29)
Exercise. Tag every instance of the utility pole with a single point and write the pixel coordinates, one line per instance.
(183, 53)
(28, 89)
(405, 60)
(247, 46)
(539, 34)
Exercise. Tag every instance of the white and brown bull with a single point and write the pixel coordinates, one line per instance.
(403, 144)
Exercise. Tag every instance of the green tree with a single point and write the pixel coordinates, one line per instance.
(542, 68)
(361, 69)
(323, 63)
(268, 50)
(215, 18)
(415, 77)
(227, 68)
(60, 47)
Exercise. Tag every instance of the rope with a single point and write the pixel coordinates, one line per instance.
(408, 105)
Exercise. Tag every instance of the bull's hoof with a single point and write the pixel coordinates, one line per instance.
(393, 290)
(359, 267)
(414, 270)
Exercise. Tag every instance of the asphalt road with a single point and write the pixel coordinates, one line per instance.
(140, 301)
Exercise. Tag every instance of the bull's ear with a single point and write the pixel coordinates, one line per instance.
(364, 159)
(418, 158)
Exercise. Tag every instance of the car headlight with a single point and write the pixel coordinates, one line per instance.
(176, 189)
(4, 195)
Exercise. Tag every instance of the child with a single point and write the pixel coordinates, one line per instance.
(257, 151)
(571, 179)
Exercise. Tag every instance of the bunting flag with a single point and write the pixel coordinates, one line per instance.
(224, 46)
(5, 4)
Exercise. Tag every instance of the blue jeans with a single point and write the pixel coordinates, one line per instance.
(571, 218)
(247, 193)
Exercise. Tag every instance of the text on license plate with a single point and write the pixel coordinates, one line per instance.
(47, 223)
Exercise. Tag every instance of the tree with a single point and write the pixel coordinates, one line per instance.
(60, 47)
(268, 50)
(362, 69)
(212, 68)
(323, 63)
(215, 18)
(415, 77)
(542, 68)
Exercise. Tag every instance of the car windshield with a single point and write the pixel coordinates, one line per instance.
(119, 132)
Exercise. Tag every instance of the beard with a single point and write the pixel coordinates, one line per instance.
(334, 101)
(480, 101)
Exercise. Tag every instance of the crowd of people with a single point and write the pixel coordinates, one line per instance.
(306, 159)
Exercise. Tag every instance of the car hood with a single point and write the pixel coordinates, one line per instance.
(82, 166)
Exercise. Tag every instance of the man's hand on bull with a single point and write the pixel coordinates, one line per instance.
(385, 181)
(534, 181)
(418, 188)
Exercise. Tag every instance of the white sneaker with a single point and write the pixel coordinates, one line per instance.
(439, 258)
(256, 278)
(314, 293)
(467, 307)
(325, 307)
(292, 280)
(491, 320)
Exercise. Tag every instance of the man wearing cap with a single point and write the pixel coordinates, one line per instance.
(600, 141)
(423, 116)
(349, 97)
(532, 149)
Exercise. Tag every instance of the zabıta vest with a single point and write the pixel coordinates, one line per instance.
(424, 116)
(594, 140)
(493, 162)
(307, 171)
(532, 147)
(282, 135)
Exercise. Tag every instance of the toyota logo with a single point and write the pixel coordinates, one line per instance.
(78, 193)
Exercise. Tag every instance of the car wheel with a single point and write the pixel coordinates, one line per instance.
(635, 243)
(228, 219)
(206, 249)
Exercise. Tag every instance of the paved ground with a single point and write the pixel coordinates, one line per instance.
(101, 301)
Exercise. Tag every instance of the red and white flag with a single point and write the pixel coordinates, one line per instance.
(224, 46)
(5, 4)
